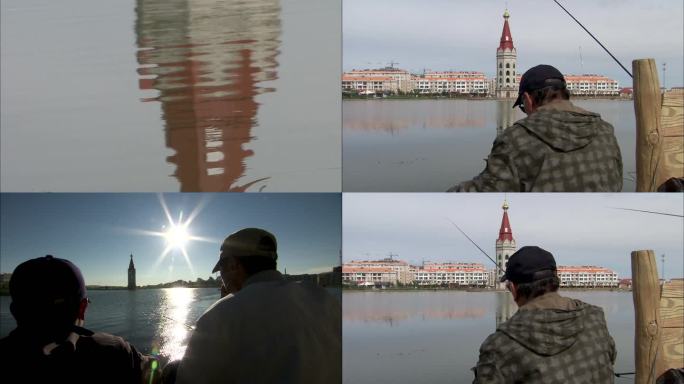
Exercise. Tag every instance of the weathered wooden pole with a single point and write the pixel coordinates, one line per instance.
(646, 294)
(647, 104)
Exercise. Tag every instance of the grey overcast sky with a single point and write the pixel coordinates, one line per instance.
(579, 229)
(464, 35)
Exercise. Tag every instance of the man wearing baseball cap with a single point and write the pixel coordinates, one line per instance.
(49, 302)
(551, 339)
(558, 147)
(267, 329)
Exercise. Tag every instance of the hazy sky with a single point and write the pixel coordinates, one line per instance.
(99, 231)
(578, 229)
(464, 35)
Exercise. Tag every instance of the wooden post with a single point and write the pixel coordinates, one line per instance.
(646, 294)
(671, 131)
(671, 326)
(647, 104)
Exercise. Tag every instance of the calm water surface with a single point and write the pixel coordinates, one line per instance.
(152, 95)
(430, 145)
(150, 319)
(434, 337)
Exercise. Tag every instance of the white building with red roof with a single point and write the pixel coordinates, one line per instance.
(369, 84)
(387, 270)
(399, 79)
(587, 276)
(465, 82)
(462, 274)
(592, 85)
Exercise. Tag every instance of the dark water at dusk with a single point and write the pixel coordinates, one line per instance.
(434, 337)
(431, 145)
(180, 95)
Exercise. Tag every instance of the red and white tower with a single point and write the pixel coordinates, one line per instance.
(505, 243)
(506, 84)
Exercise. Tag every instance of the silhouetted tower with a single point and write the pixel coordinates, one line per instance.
(506, 85)
(505, 243)
(131, 274)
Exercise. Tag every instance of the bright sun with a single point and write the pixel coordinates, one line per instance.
(177, 236)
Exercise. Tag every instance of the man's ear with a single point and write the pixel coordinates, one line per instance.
(82, 306)
(528, 98)
(514, 290)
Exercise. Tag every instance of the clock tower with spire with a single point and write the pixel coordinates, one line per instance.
(131, 274)
(506, 86)
(505, 243)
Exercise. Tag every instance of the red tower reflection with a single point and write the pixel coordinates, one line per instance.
(206, 59)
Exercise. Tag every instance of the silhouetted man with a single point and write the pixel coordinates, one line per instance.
(266, 330)
(551, 339)
(558, 147)
(50, 345)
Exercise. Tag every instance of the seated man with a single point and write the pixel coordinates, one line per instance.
(558, 147)
(551, 339)
(266, 330)
(49, 345)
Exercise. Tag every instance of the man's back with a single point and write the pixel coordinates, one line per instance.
(559, 148)
(96, 358)
(553, 340)
(271, 331)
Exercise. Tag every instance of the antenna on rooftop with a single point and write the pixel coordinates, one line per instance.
(391, 64)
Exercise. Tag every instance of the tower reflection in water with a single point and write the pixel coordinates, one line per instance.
(206, 58)
(505, 307)
(505, 115)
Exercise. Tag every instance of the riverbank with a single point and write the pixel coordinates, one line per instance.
(466, 97)
(470, 289)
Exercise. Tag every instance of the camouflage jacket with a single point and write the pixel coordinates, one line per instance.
(552, 340)
(559, 148)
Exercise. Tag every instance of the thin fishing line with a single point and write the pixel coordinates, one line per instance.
(594, 37)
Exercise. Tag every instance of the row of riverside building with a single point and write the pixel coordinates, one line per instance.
(390, 271)
(392, 80)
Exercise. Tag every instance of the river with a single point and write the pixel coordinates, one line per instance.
(431, 145)
(434, 336)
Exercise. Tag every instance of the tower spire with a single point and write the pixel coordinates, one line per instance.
(505, 232)
(506, 38)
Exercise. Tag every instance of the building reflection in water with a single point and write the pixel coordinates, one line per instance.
(505, 307)
(173, 328)
(206, 59)
(393, 316)
(505, 115)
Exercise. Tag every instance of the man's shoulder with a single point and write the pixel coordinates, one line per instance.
(498, 342)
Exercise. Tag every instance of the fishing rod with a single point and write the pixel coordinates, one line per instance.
(653, 212)
(594, 37)
(475, 244)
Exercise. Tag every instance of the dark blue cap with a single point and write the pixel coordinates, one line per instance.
(529, 264)
(46, 282)
(538, 77)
